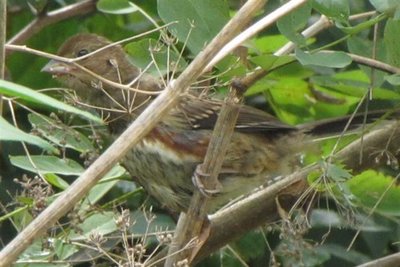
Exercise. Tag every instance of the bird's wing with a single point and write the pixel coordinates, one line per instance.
(202, 114)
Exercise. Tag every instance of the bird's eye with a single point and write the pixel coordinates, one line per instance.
(82, 52)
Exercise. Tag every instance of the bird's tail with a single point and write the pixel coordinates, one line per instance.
(347, 124)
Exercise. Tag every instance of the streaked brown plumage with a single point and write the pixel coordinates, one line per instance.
(262, 147)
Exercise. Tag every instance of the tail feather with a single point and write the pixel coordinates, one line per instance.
(346, 123)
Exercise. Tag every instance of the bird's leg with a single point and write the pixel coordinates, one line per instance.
(198, 180)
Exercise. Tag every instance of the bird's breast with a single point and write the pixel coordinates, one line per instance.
(163, 163)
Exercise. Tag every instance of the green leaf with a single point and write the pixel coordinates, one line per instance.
(269, 44)
(99, 223)
(291, 24)
(10, 133)
(116, 6)
(165, 59)
(64, 249)
(25, 200)
(286, 97)
(350, 86)
(230, 67)
(391, 39)
(336, 59)
(25, 93)
(200, 20)
(104, 186)
(56, 181)
(141, 226)
(269, 62)
(35, 252)
(18, 211)
(337, 173)
(59, 133)
(393, 79)
(335, 9)
(363, 47)
(325, 218)
(385, 5)
(250, 245)
(352, 75)
(47, 164)
(371, 187)
(314, 180)
(353, 256)
(291, 254)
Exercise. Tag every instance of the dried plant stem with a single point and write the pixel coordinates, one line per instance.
(191, 224)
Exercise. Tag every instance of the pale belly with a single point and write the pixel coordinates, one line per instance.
(163, 175)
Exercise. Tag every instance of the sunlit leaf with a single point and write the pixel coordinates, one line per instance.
(10, 133)
(99, 224)
(363, 47)
(56, 181)
(392, 39)
(336, 9)
(336, 59)
(59, 133)
(385, 5)
(292, 24)
(198, 20)
(268, 62)
(25, 93)
(47, 164)
(373, 189)
(393, 79)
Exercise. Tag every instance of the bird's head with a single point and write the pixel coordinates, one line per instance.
(110, 63)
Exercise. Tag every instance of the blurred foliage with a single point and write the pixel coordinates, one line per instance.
(308, 85)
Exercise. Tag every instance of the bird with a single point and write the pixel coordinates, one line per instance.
(163, 162)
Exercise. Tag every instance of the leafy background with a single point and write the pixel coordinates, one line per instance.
(308, 85)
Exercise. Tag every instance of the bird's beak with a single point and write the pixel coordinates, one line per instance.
(57, 67)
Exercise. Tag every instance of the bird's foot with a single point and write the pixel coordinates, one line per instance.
(202, 182)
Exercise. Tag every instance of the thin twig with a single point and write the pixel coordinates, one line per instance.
(375, 64)
(55, 16)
